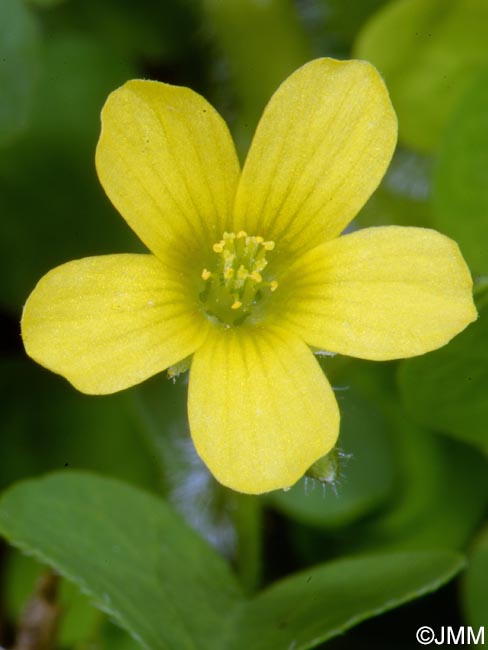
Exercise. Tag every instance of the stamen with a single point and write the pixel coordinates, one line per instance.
(237, 278)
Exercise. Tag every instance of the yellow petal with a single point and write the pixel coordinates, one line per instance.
(167, 162)
(107, 323)
(322, 146)
(261, 410)
(380, 293)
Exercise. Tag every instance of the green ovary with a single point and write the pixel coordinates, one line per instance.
(233, 285)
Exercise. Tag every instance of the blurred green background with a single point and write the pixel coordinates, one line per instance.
(414, 434)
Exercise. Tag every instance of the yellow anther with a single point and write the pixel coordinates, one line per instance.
(237, 277)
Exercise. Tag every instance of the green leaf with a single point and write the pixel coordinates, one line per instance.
(112, 637)
(160, 582)
(475, 585)
(460, 192)
(428, 52)
(319, 603)
(446, 389)
(129, 552)
(19, 66)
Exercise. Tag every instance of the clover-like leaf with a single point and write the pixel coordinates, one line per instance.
(428, 51)
(129, 552)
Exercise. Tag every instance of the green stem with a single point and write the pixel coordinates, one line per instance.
(247, 517)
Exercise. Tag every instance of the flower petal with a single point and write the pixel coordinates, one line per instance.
(261, 410)
(380, 293)
(107, 323)
(167, 162)
(321, 148)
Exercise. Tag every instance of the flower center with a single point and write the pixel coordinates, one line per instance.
(234, 284)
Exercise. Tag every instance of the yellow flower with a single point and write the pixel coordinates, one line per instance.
(246, 269)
